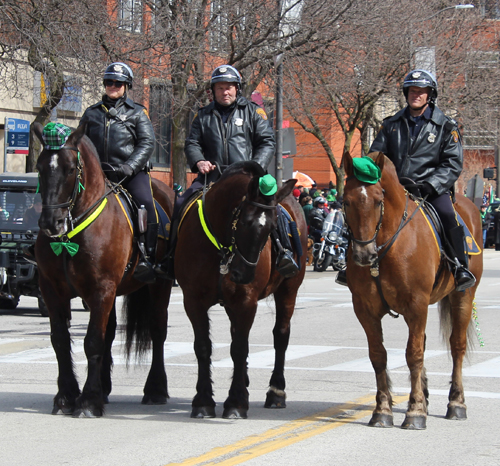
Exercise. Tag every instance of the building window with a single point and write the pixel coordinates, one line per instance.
(160, 112)
(130, 15)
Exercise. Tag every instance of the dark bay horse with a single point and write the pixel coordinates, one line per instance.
(237, 215)
(412, 275)
(74, 190)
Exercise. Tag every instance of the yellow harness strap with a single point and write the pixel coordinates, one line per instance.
(89, 219)
(205, 227)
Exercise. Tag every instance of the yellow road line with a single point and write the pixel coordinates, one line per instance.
(288, 434)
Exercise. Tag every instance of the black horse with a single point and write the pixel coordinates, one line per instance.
(78, 205)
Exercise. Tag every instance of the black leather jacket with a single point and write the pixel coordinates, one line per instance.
(247, 135)
(435, 156)
(127, 137)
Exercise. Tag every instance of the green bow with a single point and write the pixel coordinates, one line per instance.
(57, 247)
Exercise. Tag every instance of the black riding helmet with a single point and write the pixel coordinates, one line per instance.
(226, 74)
(121, 72)
(421, 78)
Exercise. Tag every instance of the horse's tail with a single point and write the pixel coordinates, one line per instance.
(135, 306)
(446, 321)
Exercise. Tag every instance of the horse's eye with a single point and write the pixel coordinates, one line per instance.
(71, 171)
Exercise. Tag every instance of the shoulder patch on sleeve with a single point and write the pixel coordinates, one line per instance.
(455, 136)
(146, 112)
(260, 111)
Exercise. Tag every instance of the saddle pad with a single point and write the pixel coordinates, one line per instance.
(164, 221)
(470, 245)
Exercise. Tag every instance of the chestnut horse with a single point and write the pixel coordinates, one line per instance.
(74, 190)
(240, 219)
(392, 243)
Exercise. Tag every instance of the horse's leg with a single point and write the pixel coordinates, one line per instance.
(284, 297)
(242, 317)
(60, 316)
(155, 390)
(371, 322)
(107, 361)
(461, 312)
(203, 404)
(90, 403)
(416, 414)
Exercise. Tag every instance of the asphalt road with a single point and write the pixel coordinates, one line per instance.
(330, 388)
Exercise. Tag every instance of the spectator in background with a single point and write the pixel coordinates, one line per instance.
(485, 218)
(307, 206)
(296, 194)
(32, 214)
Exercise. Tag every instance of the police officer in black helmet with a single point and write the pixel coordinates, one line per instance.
(230, 129)
(425, 146)
(124, 138)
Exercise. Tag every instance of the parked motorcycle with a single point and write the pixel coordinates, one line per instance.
(332, 248)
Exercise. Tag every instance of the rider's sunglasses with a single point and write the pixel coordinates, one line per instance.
(111, 83)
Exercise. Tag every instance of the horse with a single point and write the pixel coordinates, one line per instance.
(77, 196)
(239, 220)
(394, 263)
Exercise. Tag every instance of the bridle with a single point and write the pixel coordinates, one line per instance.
(78, 184)
(227, 253)
(76, 191)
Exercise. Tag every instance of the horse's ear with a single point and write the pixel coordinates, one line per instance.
(37, 129)
(379, 159)
(347, 164)
(77, 135)
(285, 190)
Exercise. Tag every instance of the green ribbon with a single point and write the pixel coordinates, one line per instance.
(57, 247)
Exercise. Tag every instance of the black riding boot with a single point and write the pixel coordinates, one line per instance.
(463, 277)
(144, 270)
(342, 277)
(165, 269)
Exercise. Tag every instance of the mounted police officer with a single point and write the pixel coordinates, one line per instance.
(425, 147)
(230, 129)
(124, 138)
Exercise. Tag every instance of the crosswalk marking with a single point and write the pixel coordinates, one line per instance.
(260, 357)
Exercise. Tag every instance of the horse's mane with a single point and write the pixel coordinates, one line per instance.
(90, 148)
(247, 167)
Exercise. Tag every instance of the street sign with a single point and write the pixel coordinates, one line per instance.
(17, 138)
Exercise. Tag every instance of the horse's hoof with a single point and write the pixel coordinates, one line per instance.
(274, 400)
(87, 412)
(154, 400)
(200, 412)
(414, 423)
(381, 420)
(235, 413)
(62, 406)
(456, 413)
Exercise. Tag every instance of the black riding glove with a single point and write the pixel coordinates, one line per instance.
(427, 189)
(124, 171)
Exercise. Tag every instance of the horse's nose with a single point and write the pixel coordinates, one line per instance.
(364, 256)
(51, 225)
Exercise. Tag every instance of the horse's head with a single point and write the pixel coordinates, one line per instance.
(60, 176)
(364, 209)
(253, 222)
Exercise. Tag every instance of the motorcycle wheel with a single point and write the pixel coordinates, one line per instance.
(323, 265)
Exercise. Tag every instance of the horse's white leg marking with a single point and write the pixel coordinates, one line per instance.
(262, 219)
(53, 162)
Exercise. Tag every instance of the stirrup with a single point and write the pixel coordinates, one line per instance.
(144, 272)
(464, 279)
(341, 278)
(286, 265)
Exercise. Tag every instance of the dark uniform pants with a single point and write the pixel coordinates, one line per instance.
(139, 187)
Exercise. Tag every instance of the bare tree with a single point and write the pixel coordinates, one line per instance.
(358, 79)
